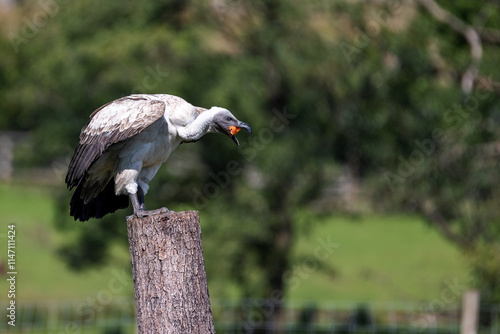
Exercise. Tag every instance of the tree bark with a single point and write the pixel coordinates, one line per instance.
(168, 269)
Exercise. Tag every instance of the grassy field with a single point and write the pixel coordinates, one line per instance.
(369, 258)
(41, 274)
(379, 258)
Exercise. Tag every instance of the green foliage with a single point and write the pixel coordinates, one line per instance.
(484, 260)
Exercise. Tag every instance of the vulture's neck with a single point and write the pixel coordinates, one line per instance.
(197, 128)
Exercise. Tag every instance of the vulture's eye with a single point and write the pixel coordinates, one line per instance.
(228, 119)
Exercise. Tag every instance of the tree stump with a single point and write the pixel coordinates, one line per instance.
(168, 268)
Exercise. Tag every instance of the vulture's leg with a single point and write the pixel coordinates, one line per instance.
(140, 195)
(138, 211)
(139, 207)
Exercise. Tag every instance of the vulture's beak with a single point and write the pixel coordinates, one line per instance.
(235, 129)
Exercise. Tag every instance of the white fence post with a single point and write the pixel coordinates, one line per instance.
(470, 312)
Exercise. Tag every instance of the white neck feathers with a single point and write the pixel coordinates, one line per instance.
(200, 126)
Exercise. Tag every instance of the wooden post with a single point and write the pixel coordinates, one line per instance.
(168, 268)
(470, 312)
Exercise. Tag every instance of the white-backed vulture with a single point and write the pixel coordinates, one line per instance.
(125, 143)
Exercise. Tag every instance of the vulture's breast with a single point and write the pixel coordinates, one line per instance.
(152, 146)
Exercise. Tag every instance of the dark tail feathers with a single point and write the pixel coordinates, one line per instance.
(106, 202)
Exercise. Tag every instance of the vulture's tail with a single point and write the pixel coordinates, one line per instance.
(105, 202)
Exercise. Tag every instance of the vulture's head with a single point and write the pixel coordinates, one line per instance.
(224, 122)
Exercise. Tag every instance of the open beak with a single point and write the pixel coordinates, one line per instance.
(235, 129)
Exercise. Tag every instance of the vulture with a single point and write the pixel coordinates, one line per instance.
(124, 144)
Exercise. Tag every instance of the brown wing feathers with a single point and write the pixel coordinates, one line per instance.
(93, 143)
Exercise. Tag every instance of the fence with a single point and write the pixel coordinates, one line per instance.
(255, 316)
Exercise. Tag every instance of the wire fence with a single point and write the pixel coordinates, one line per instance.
(254, 316)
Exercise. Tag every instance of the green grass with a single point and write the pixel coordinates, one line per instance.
(376, 258)
(379, 258)
(40, 272)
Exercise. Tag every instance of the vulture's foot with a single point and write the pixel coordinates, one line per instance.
(147, 213)
(139, 207)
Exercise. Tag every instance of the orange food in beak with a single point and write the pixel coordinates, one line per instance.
(234, 129)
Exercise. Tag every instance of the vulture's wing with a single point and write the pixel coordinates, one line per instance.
(110, 124)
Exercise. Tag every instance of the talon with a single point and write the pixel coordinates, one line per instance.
(144, 213)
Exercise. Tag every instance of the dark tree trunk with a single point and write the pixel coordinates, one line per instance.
(168, 268)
